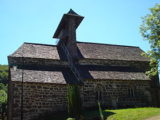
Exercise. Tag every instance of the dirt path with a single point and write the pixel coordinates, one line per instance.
(154, 118)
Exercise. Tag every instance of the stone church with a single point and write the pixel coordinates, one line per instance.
(112, 74)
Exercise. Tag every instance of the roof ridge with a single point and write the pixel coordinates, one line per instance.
(40, 44)
(107, 44)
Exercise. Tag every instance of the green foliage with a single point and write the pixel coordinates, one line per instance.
(3, 97)
(3, 94)
(150, 30)
(3, 87)
(4, 68)
(74, 101)
(3, 90)
(4, 74)
(154, 64)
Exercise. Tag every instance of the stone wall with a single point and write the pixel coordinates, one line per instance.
(116, 93)
(39, 98)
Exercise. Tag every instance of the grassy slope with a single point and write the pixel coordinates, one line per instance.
(3, 67)
(120, 114)
(133, 113)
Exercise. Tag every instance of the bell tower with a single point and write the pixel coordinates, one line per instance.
(66, 32)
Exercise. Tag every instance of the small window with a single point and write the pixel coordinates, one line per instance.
(98, 95)
(131, 92)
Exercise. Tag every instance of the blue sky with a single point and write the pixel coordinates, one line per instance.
(106, 21)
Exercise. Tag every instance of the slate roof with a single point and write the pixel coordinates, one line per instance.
(33, 50)
(59, 76)
(110, 52)
(111, 73)
(91, 51)
(115, 75)
(86, 51)
(65, 76)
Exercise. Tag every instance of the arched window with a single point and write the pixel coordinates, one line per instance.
(99, 93)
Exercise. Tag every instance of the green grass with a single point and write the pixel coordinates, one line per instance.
(133, 113)
(125, 114)
(119, 114)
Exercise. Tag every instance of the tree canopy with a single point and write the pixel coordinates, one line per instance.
(4, 74)
(150, 30)
(3, 89)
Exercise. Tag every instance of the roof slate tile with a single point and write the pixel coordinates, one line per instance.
(111, 52)
(37, 51)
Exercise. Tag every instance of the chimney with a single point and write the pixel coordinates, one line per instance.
(66, 31)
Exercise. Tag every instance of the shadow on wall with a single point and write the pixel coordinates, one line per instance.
(86, 115)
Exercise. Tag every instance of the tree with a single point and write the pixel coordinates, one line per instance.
(150, 30)
(3, 90)
(3, 97)
(3, 103)
(4, 74)
(74, 101)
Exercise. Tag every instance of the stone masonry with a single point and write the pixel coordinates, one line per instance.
(40, 98)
